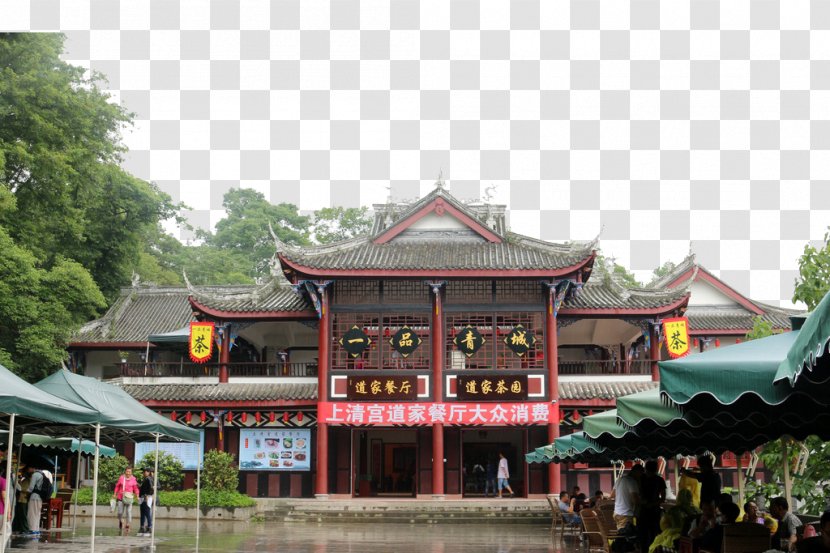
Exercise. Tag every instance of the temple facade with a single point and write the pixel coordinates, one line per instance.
(403, 362)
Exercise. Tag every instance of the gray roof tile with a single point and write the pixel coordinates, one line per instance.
(597, 389)
(232, 391)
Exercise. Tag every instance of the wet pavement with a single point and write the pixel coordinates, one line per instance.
(215, 537)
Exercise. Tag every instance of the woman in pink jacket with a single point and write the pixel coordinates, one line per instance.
(126, 492)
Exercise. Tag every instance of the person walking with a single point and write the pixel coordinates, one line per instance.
(146, 495)
(503, 475)
(126, 490)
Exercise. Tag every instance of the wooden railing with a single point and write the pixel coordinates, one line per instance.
(587, 367)
(212, 369)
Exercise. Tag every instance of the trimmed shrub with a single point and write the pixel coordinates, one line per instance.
(220, 472)
(108, 472)
(187, 498)
(171, 470)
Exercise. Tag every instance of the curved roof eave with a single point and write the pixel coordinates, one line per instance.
(274, 315)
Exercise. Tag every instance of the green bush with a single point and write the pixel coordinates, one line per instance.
(171, 470)
(187, 498)
(220, 472)
(108, 472)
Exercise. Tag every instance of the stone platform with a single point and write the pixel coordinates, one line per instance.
(407, 511)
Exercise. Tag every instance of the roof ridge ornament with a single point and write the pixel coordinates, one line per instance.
(439, 183)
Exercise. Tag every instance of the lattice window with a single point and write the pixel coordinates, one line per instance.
(352, 292)
(418, 359)
(469, 291)
(341, 324)
(495, 354)
(534, 324)
(518, 291)
(483, 358)
(405, 291)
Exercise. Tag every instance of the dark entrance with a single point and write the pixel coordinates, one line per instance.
(386, 463)
(480, 447)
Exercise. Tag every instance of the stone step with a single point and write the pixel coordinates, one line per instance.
(408, 518)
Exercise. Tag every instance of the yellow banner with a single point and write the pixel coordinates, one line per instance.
(201, 342)
(676, 336)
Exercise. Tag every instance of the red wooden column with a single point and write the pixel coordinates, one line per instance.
(321, 488)
(437, 335)
(225, 354)
(552, 358)
(654, 351)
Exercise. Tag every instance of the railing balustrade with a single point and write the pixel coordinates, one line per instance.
(594, 367)
(188, 369)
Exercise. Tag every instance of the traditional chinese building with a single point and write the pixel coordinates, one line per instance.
(403, 359)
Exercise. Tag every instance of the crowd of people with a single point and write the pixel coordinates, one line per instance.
(700, 513)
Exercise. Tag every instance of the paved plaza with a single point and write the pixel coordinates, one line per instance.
(178, 536)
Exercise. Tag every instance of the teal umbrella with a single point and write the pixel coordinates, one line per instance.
(86, 447)
(809, 349)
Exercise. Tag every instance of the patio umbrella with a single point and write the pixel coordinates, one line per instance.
(810, 350)
(73, 445)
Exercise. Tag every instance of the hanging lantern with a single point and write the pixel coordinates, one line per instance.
(188, 417)
(590, 412)
(244, 417)
(173, 416)
(737, 340)
(258, 417)
(717, 342)
(299, 416)
(285, 417)
(576, 414)
(229, 417)
(695, 342)
(272, 416)
(203, 416)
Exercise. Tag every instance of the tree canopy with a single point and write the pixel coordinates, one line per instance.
(72, 222)
(813, 281)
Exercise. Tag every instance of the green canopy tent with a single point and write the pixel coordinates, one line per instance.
(73, 445)
(119, 414)
(26, 405)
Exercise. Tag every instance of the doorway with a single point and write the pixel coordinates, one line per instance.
(480, 449)
(386, 463)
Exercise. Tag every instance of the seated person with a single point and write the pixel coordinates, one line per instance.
(598, 498)
(673, 521)
(566, 505)
(820, 543)
(580, 502)
(788, 523)
(752, 514)
(705, 521)
(712, 539)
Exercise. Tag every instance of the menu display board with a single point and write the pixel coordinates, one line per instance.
(274, 449)
(186, 452)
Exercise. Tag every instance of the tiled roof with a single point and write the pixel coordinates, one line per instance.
(137, 313)
(603, 291)
(515, 253)
(232, 391)
(275, 296)
(733, 318)
(597, 389)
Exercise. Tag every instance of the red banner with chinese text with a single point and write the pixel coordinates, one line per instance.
(426, 413)
(200, 344)
(676, 336)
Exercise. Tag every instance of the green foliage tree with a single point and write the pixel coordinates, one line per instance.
(220, 472)
(109, 469)
(760, 329)
(663, 270)
(813, 280)
(170, 474)
(59, 153)
(333, 224)
(623, 275)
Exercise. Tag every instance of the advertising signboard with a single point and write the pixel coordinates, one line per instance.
(274, 449)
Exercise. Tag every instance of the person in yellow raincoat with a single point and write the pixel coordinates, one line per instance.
(673, 520)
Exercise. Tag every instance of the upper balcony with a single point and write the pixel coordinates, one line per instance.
(236, 369)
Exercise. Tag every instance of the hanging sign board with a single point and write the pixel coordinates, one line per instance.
(676, 336)
(491, 388)
(377, 387)
(200, 344)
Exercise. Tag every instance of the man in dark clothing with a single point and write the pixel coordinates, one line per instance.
(712, 540)
(652, 495)
(710, 482)
(490, 473)
(146, 495)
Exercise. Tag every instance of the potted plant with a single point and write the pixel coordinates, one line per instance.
(123, 355)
